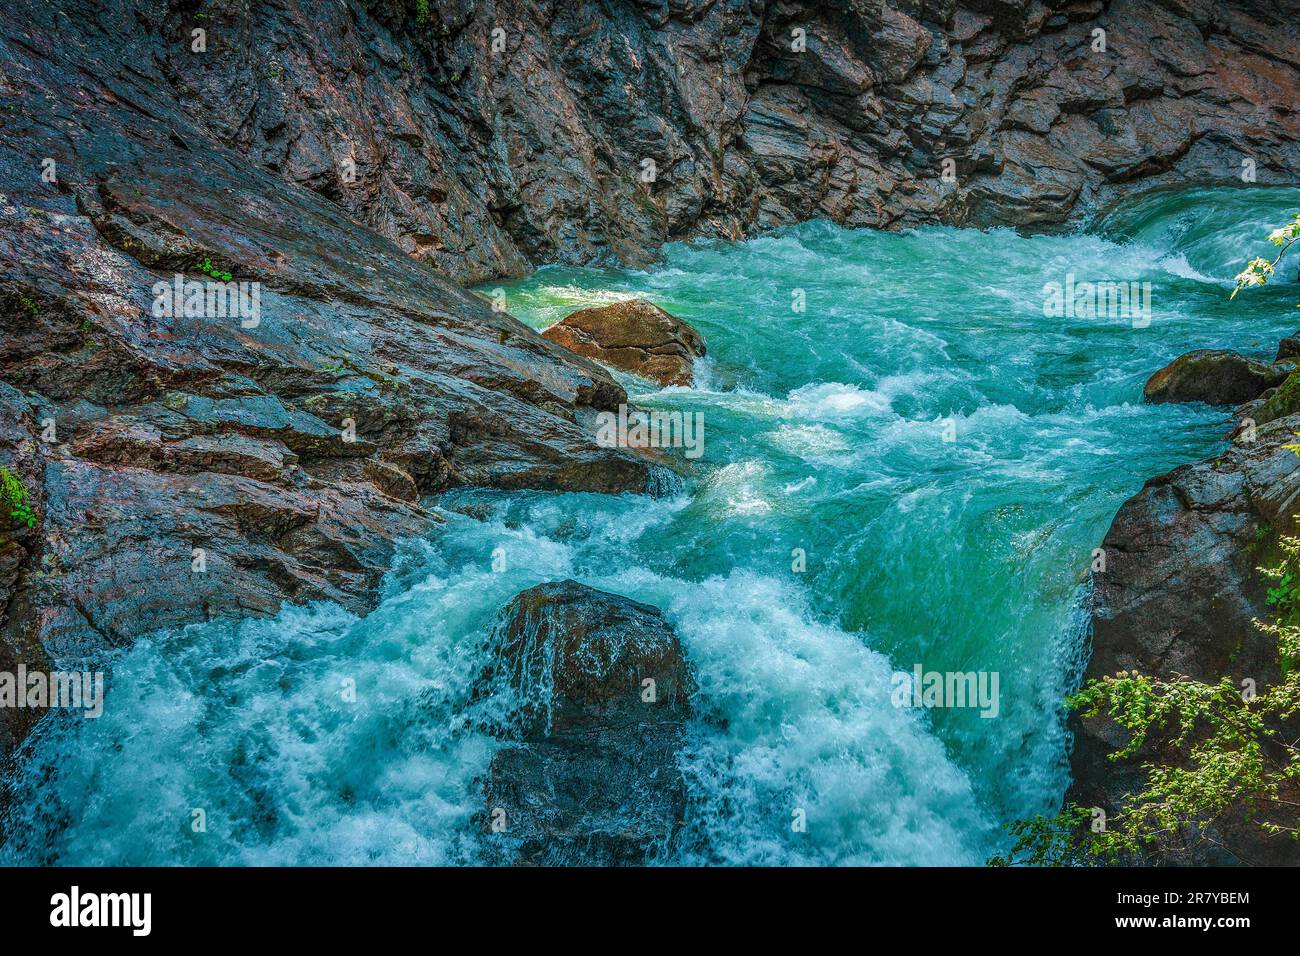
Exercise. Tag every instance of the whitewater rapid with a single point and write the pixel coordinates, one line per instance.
(945, 456)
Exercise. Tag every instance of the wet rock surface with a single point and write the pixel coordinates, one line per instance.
(189, 461)
(1212, 376)
(636, 336)
(601, 691)
(1179, 596)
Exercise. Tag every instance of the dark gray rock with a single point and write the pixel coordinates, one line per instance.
(1288, 348)
(594, 778)
(1213, 376)
(1179, 596)
(199, 467)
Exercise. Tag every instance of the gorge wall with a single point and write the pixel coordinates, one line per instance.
(1182, 594)
(490, 137)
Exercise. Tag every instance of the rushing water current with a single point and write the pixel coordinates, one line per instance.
(945, 455)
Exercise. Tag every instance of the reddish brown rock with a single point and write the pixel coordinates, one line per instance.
(635, 336)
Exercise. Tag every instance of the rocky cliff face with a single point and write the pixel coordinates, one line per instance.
(486, 137)
(196, 458)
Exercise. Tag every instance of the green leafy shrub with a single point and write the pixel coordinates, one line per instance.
(16, 498)
(1213, 751)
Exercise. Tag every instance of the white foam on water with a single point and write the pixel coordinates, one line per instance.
(833, 401)
(250, 723)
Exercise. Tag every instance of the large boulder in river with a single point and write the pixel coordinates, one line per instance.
(636, 336)
(599, 693)
(1213, 376)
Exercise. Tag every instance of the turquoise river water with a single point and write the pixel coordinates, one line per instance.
(946, 455)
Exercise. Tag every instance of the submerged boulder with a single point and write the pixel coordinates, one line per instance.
(636, 336)
(1213, 376)
(600, 692)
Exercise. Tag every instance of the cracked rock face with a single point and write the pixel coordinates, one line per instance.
(636, 336)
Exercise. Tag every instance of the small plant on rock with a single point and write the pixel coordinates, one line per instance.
(16, 498)
(208, 269)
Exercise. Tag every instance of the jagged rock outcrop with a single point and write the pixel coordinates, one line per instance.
(1289, 348)
(636, 336)
(484, 137)
(268, 440)
(293, 453)
(1212, 376)
(1179, 594)
(600, 692)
